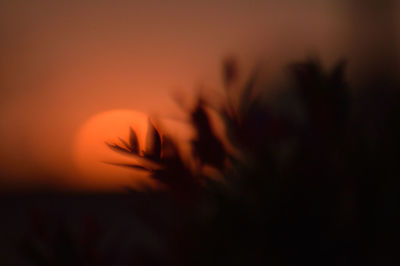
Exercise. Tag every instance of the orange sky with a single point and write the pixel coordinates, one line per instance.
(61, 62)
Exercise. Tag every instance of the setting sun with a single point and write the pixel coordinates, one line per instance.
(92, 155)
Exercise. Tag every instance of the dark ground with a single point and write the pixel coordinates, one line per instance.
(106, 221)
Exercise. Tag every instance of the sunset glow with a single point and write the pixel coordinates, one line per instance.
(205, 133)
(62, 63)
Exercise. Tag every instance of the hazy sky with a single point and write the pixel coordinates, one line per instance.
(62, 62)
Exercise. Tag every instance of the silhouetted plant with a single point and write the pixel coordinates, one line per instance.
(314, 184)
(312, 179)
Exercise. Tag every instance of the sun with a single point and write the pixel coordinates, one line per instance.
(91, 154)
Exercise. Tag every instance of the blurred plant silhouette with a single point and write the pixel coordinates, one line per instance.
(312, 179)
(315, 180)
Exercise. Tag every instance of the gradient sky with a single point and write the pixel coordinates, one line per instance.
(61, 62)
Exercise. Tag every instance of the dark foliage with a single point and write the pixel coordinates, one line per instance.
(312, 183)
(320, 191)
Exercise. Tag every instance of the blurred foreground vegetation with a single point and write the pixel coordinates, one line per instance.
(308, 175)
